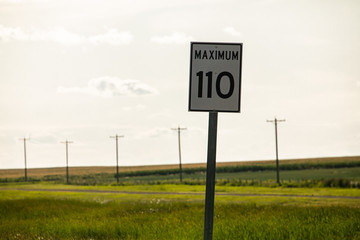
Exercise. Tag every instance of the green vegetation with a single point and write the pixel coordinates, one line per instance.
(103, 215)
(324, 172)
(39, 188)
(316, 200)
(244, 168)
(328, 177)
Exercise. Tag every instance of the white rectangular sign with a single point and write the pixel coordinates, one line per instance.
(215, 77)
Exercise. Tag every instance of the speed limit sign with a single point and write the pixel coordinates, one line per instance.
(215, 77)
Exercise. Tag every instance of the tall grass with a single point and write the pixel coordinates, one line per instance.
(45, 218)
(72, 219)
(285, 222)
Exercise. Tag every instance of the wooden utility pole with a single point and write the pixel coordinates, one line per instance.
(276, 145)
(67, 160)
(117, 156)
(179, 129)
(25, 139)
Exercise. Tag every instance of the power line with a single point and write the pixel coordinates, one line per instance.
(276, 145)
(179, 129)
(67, 160)
(117, 156)
(25, 139)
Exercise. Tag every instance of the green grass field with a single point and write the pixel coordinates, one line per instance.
(296, 177)
(286, 175)
(317, 199)
(102, 215)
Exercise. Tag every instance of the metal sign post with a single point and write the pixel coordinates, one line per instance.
(215, 86)
(210, 176)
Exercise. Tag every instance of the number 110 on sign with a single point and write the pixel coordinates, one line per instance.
(215, 77)
(219, 92)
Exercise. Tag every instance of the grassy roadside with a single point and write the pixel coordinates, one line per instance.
(154, 205)
(171, 188)
(96, 215)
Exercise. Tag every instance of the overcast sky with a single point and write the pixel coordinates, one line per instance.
(84, 70)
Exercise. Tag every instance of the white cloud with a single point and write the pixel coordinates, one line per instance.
(174, 38)
(62, 36)
(8, 34)
(232, 31)
(111, 87)
(112, 37)
(22, 1)
(155, 132)
(11, 1)
(44, 138)
(136, 107)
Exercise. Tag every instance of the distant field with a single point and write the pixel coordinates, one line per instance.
(41, 172)
(309, 174)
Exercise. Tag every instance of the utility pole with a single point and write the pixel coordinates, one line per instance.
(276, 145)
(25, 139)
(67, 160)
(117, 156)
(179, 129)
